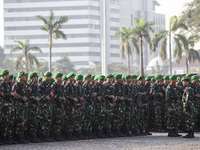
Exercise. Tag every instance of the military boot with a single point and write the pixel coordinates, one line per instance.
(127, 132)
(176, 133)
(189, 135)
(171, 133)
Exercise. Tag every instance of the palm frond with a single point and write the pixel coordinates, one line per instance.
(59, 34)
(34, 48)
(42, 18)
(163, 49)
(16, 49)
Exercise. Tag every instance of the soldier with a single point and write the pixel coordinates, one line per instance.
(69, 107)
(110, 102)
(21, 107)
(99, 106)
(172, 106)
(188, 107)
(119, 108)
(6, 109)
(46, 94)
(157, 92)
(128, 92)
(33, 109)
(57, 109)
(89, 108)
(166, 81)
(79, 107)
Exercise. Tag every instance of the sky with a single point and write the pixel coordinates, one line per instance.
(168, 7)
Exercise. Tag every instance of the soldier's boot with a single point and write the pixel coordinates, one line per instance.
(171, 133)
(119, 134)
(85, 134)
(1, 141)
(100, 134)
(176, 133)
(34, 140)
(58, 138)
(189, 135)
(13, 141)
(70, 137)
(127, 132)
(147, 132)
(22, 141)
(39, 140)
(7, 141)
(137, 132)
(142, 132)
(109, 134)
(90, 136)
(159, 129)
(79, 135)
(193, 135)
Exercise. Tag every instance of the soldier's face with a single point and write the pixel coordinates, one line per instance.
(47, 78)
(6, 77)
(173, 81)
(88, 79)
(129, 80)
(133, 80)
(101, 81)
(186, 83)
(194, 81)
(71, 79)
(35, 79)
(59, 79)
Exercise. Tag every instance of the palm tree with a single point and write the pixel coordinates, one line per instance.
(53, 27)
(185, 46)
(141, 32)
(26, 49)
(174, 25)
(128, 43)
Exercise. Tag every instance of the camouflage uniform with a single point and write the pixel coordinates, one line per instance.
(119, 108)
(6, 109)
(89, 115)
(57, 109)
(157, 104)
(69, 109)
(33, 112)
(188, 103)
(46, 110)
(21, 109)
(109, 90)
(172, 103)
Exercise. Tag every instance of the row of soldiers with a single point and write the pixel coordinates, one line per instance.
(72, 107)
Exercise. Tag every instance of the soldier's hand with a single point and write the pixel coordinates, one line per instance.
(198, 95)
(64, 99)
(81, 98)
(169, 110)
(2, 94)
(115, 99)
(131, 99)
(24, 98)
(161, 94)
(163, 88)
(48, 98)
(145, 93)
(37, 98)
(99, 98)
(75, 99)
(30, 90)
(52, 95)
(13, 94)
(122, 98)
(94, 94)
(184, 110)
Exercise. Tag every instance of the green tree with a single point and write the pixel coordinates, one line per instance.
(84, 71)
(141, 31)
(128, 43)
(185, 46)
(64, 65)
(53, 27)
(42, 68)
(29, 58)
(164, 35)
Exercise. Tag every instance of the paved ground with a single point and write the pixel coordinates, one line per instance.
(159, 141)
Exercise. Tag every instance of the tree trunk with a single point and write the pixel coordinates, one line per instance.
(170, 54)
(50, 49)
(187, 68)
(141, 57)
(26, 62)
(129, 68)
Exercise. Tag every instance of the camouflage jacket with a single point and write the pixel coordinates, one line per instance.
(44, 89)
(188, 98)
(171, 96)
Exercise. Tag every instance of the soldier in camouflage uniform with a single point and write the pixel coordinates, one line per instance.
(58, 109)
(100, 107)
(172, 106)
(21, 107)
(69, 107)
(110, 102)
(188, 107)
(46, 95)
(157, 92)
(7, 106)
(128, 105)
(33, 109)
(119, 108)
(79, 107)
(89, 108)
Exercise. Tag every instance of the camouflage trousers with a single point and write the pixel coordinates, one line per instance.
(68, 117)
(45, 118)
(109, 115)
(6, 125)
(189, 118)
(57, 119)
(78, 116)
(89, 116)
(33, 122)
(157, 111)
(119, 114)
(128, 115)
(100, 115)
(144, 116)
(21, 118)
(172, 119)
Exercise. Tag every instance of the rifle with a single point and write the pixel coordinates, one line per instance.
(52, 88)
